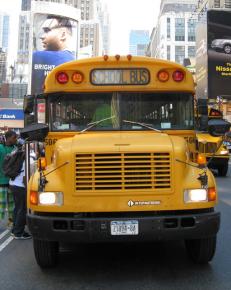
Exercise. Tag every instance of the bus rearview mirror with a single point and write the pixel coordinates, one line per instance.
(35, 132)
(218, 127)
(28, 104)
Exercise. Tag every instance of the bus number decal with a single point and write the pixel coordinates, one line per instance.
(50, 142)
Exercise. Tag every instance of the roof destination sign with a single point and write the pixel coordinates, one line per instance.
(123, 76)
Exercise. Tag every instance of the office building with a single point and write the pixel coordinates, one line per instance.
(104, 19)
(91, 29)
(4, 31)
(138, 42)
(3, 58)
(204, 5)
(174, 36)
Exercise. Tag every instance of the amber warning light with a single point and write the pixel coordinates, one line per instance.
(163, 76)
(77, 77)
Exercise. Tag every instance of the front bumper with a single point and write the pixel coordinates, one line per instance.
(152, 227)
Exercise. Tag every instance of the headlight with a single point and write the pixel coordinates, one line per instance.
(50, 198)
(195, 195)
(224, 152)
(215, 42)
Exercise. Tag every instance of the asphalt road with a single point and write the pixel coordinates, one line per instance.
(116, 267)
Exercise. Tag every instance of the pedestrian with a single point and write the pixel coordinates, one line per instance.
(18, 188)
(6, 196)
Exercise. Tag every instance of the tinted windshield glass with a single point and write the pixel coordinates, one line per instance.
(159, 110)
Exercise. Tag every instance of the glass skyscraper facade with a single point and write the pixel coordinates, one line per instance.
(138, 42)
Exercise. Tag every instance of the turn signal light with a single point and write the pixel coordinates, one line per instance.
(178, 76)
(42, 163)
(34, 197)
(163, 76)
(62, 77)
(212, 194)
(77, 77)
(201, 159)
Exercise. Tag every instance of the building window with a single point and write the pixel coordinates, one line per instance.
(217, 3)
(179, 54)
(168, 52)
(179, 29)
(191, 51)
(227, 4)
(168, 28)
(191, 30)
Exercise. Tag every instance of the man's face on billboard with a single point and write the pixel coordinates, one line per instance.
(53, 36)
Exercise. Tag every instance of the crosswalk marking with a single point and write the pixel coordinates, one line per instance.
(5, 243)
(4, 233)
(227, 201)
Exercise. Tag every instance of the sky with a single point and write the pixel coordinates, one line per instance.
(127, 15)
(124, 16)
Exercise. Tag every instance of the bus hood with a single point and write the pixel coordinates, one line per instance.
(122, 142)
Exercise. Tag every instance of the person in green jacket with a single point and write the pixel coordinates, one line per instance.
(6, 197)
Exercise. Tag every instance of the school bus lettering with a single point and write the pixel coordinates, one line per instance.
(139, 77)
(136, 76)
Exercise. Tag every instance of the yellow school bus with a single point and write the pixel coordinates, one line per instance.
(121, 159)
(217, 155)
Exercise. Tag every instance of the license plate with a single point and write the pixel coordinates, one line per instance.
(119, 228)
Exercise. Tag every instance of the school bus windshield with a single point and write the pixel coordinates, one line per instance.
(73, 112)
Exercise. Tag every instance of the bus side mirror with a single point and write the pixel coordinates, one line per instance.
(35, 132)
(228, 134)
(218, 127)
(28, 104)
(29, 119)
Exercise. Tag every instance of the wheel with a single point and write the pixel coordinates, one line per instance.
(223, 169)
(46, 253)
(201, 251)
(227, 48)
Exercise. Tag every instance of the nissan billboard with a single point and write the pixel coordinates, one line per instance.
(219, 53)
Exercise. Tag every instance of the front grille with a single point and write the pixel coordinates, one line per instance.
(123, 171)
(209, 147)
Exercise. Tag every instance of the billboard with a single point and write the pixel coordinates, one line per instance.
(54, 40)
(201, 61)
(11, 114)
(219, 54)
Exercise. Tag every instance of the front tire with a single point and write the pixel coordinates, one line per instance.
(46, 253)
(227, 48)
(201, 251)
(223, 169)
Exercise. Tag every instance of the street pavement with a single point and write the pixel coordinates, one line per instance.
(158, 266)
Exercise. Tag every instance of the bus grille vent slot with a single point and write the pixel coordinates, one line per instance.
(123, 171)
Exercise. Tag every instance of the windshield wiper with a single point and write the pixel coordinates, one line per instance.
(143, 125)
(93, 124)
